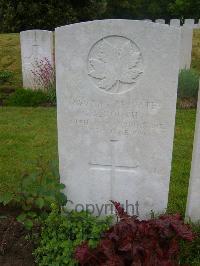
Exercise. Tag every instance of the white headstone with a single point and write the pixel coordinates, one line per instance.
(161, 21)
(175, 22)
(148, 20)
(186, 42)
(189, 22)
(193, 203)
(186, 47)
(35, 45)
(116, 104)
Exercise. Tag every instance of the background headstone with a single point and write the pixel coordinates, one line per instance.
(116, 103)
(35, 45)
(161, 21)
(175, 22)
(189, 22)
(193, 203)
(186, 47)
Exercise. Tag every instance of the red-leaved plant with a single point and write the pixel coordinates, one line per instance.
(132, 242)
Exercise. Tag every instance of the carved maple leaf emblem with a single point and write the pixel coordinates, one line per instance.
(113, 66)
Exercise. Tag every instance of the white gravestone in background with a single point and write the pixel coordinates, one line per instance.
(175, 22)
(189, 22)
(161, 21)
(186, 42)
(36, 45)
(186, 47)
(193, 203)
(116, 104)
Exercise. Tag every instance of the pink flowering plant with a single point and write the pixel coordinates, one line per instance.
(44, 77)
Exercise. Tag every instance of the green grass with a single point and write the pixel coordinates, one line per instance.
(196, 50)
(30, 134)
(10, 57)
(182, 155)
(26, 134)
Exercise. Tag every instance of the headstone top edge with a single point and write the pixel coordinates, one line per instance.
(141, 22)
(35, 30)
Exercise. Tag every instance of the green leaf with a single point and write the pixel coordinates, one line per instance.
(32, 214)
(62, 186)
(49, 181)
(17, 198)
(40, 203)
(26, 207)
(40, 190)
(21, 218)
(6, 198)
(28, 224)
(62, 198)
(50, 199)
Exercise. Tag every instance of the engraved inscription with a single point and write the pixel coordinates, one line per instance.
(116, 119)
(115, 64)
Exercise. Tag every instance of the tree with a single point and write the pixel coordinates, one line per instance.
(18, 15)
(185, 9)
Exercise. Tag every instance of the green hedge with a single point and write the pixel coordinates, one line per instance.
(28, 97)
(188, 84)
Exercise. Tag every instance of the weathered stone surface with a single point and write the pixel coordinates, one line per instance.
(193, 202)
(175, 22)
(35, 45)
(160, 20)
(116, 104)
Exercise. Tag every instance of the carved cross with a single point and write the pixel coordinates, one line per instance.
(113, 167)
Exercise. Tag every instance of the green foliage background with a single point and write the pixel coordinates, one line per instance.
(18, 15)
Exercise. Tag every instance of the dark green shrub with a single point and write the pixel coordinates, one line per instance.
(28, 97)
(188, 84)
(62, 233)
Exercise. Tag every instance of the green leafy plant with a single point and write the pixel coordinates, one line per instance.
(35, 194)
(188, 84)
(63, 232)
(5, 76)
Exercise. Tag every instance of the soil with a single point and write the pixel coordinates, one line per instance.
(15, 250)
(187, 103)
